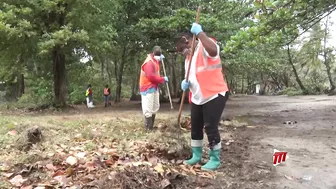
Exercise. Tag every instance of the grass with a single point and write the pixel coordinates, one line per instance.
(88, 131)
(64, 131)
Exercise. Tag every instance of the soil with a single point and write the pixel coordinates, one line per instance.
(302, 126)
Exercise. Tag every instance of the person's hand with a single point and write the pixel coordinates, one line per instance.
(166, 79)
(162, 57)
(196, 29)
(184, 85)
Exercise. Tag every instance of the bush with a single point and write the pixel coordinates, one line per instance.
(290, 91)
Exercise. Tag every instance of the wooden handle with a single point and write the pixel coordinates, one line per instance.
(189, 65)
(170, 100)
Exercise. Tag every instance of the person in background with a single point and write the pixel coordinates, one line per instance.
(107, 93)
(149, 81)
(89, 96)
(209, 93)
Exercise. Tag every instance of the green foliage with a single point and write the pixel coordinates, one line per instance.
(291, 92)
(116, 36)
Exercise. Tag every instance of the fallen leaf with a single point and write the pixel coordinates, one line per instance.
(109, 162)
(17, 180)
(158, 168)
(58, 173)
(69, 172)
(80, 155)
(59, 179)
(153, 160)
(192, 171)
(90, 166)
(71, 160)
(51, 167)
(289, 177)
(29, 187)
(112, 175)
(165, 183)
(207, 175)
(183, 167)
(5, 167)
(7, 175)
(12, 132)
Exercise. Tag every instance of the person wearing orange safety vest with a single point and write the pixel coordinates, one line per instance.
(209, 93)
(89, 96)
(107, 93)
(149, 81)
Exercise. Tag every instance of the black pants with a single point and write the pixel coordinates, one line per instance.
(208, 116)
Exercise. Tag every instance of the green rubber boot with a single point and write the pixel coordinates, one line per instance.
(214, 161)
(197, 151)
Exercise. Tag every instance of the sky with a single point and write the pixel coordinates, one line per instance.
(332, 40)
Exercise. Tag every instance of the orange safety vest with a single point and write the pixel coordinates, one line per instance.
(106, 91)
(209, 74)
(143, 78)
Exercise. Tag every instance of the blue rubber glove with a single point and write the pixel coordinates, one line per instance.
(196, 29)
(166, 79)
(184, 85)
(162, 57)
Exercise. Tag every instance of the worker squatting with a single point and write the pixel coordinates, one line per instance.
(209, 92)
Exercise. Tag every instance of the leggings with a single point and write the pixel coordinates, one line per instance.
(208, 116)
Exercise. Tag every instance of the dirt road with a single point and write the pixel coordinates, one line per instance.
(310, 143)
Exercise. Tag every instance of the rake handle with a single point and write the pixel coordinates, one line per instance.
(170, 100)
(189, 65)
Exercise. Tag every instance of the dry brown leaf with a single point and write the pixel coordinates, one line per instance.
(80, 155)
(207, 175)
(153, 160)
(159, 168)
(109, 162)
(5, 167)
(28, 187)
(184, 168)
(90, 166)
(192, 171)
(17, 180)
(165, 183)
(59, 179)
(71, 160)
(40, 187)
(58, 173)
(12, 132)
(50, 167)
(7, 175)
(69, 172)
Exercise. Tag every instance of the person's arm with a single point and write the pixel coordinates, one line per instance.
(209, 45)
(149, 70)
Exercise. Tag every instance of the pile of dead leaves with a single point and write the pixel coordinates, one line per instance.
(74, 166)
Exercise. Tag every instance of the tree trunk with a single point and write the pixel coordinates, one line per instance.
(60, 88)
(119, 74)
(20, 85)
(325, 55)
(242, 85)
(297, 78)
(102, 70)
